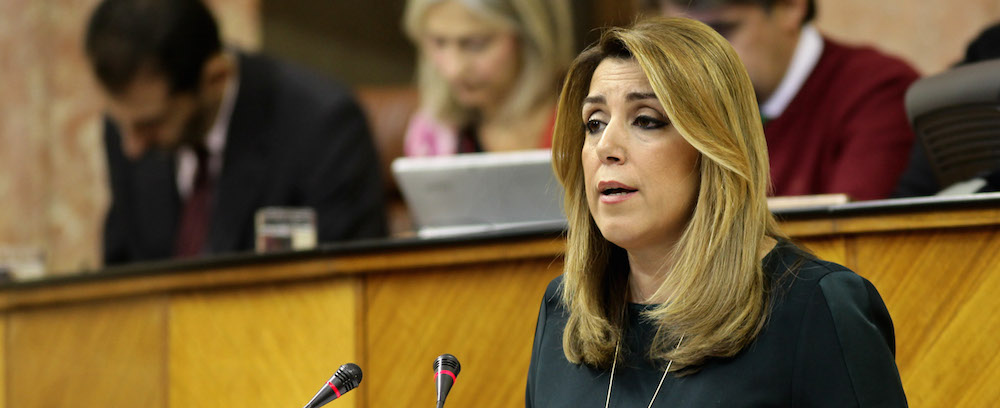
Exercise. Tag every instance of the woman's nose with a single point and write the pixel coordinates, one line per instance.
(610, 146)
(453, 64)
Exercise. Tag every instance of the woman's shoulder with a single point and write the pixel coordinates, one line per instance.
(552, 306)
(801, 279)
(789, 266)
(836, 329)
(553, 292)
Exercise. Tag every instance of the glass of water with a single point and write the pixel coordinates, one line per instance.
(285, 229)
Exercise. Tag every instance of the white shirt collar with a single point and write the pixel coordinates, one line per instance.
(215, 142)
(804, 59)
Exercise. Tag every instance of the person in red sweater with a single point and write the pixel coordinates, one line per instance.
(834, 115)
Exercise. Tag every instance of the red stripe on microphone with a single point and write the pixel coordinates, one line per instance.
(334, 388)
(451, 374)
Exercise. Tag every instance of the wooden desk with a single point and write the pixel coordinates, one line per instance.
(268, 330)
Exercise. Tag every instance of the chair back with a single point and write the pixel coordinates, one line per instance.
(956, 116)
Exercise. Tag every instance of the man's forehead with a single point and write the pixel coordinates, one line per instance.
(718, 13)
(702, 5)
(147, 95)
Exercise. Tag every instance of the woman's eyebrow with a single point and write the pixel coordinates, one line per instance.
(631, 97)
(638, 96)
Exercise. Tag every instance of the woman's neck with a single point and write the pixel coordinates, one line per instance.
(649, 268)
(647, 271)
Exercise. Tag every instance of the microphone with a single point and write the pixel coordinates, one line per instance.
(446, 369)
(347, 377)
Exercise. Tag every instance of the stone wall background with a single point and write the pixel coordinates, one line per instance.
(930, 34)
(52, 172)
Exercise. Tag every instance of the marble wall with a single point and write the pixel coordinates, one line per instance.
(52, 175)
(930, 34)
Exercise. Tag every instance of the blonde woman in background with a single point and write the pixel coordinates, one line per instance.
(488, 73)
(678, 289)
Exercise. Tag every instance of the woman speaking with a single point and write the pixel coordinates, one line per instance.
(678, 289)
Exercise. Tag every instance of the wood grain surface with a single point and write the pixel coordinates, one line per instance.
(266, 346)
(830, 248)
(483, 314)
(3, 361)
(941, 289)
(100, 354)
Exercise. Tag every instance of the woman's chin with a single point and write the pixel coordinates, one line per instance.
(623, 236)
(472, 101)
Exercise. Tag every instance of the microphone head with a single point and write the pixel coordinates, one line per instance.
(350, 375)
(447, 362)
(446, 369)
(347, 377)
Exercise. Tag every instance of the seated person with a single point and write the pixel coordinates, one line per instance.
(678, 289)
(488, 73)
(919, 179)
(833, 114)
(198, 138)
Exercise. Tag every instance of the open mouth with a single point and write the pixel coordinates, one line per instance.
(617, 191)
(614, 189)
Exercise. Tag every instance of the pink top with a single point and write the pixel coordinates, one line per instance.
(428, 137)
(425, 136)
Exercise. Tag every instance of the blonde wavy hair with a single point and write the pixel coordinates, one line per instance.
(545, 32)
(718, 300)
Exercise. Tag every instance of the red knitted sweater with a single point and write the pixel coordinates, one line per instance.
(846, 130)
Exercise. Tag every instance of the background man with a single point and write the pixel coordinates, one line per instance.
(834, 115)
(198, 137)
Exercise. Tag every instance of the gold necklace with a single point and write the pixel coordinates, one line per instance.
(614, 364)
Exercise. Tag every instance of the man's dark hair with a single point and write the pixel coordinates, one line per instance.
(705, 4)
(984, 47)
(173, 38)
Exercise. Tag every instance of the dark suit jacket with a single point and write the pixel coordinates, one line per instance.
(294, 139)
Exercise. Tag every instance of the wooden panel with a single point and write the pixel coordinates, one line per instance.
(910, 220)
(833, 249)
(269, 270)
(3, 361)
(483, 314)
(941, 290)
(807, 228)
(453, 254)
(269, 346)
(208, 277)
(104, 354)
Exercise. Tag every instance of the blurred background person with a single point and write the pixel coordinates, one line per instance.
(488, 73)
(199, 137)
(833, 113)
(678, 289)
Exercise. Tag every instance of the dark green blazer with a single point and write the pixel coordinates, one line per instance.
(828, 342)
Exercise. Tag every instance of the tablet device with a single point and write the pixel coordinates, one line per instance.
(476, 192)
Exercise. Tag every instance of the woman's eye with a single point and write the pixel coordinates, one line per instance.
(646, 122)
(476, 44)
(594, 126)
(437, 42)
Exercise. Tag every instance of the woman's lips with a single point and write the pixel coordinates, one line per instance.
(612, 192)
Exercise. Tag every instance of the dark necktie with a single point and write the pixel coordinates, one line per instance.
(193, 227)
